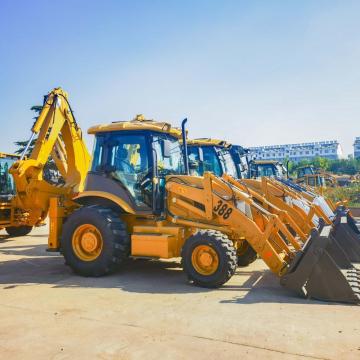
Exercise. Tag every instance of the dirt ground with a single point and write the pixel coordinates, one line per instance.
(149, 311)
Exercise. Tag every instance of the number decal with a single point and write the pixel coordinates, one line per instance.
(227, 213)
(223, 210)
(217, 207)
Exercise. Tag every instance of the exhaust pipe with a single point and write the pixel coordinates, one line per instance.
(185, 149)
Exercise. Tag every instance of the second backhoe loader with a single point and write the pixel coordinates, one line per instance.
(25, 192)
(143, 205)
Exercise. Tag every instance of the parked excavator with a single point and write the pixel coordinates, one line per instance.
(139, 200)
(25, 194)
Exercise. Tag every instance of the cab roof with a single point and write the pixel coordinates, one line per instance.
(11, 156)
(262, 162)
(138, 123)
(208, 142)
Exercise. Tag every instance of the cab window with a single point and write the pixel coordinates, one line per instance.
(7, 187)
(228, 164)
(211, 162)
(125, 158)
(171, 164)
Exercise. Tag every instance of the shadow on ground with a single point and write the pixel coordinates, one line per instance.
(36, 266)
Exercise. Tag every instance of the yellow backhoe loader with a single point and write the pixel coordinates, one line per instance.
(144, 206)
(25, 194)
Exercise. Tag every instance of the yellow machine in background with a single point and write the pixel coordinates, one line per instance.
(59, 137)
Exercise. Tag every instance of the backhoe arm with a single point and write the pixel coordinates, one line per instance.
(59, 137)
(211, 203)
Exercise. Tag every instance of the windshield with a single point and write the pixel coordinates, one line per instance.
(171, 163)
(7, 187)
(210, 160)
(280, 171)
(228, 163)
(266, 170)
(305, 171)
(315, 180)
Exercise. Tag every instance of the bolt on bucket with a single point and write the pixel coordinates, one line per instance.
(322, 270)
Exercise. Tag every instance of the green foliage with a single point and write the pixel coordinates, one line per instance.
(21, 145)
(340, 167)
(51, 173)
(350, 193)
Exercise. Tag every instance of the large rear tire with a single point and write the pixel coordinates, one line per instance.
(209, 258)
(16, 231)
(246, 255)
(95, 241)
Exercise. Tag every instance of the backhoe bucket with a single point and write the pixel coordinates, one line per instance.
(323, 271)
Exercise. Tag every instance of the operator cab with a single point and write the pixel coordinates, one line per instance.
(210, 155)
(305, 170)
(131, 160)
(7, 186)
(267, 168)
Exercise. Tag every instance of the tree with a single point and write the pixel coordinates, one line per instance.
(51, 173)
(23, 143)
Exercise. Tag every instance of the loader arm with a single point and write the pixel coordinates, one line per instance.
(57, 135)
(211, 203)
(320, 268)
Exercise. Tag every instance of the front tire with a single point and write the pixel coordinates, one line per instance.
(209, 258)
(95, 241)
(16, 231)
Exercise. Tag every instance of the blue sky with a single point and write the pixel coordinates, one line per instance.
(252, 72)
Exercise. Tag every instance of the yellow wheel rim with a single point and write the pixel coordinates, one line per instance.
(205, 260)
(87, 242)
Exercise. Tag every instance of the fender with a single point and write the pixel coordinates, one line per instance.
(105, 195)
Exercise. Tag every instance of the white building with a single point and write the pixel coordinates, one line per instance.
(297, 152)
(357, 148)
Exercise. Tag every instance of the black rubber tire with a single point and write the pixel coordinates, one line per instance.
(15, 231)
(247, 256)
(225, 251)
(116, 241)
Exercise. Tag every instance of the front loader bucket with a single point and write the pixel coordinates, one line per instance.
(322, 270)
(345, 232)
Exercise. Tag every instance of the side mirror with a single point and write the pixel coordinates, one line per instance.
(166, 148)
